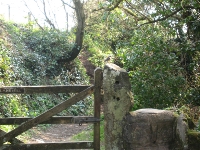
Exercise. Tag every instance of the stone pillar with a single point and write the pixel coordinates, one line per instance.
(117, 103)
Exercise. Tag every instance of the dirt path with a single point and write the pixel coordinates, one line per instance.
(55, 133)
(83, 57)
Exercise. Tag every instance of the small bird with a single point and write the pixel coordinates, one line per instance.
(108, 59)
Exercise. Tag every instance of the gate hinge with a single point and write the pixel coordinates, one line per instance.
(81, 120)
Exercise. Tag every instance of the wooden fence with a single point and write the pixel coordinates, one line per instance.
(48, 117)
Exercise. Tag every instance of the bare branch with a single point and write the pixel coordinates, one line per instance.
(47, 19)
(130, 12)
(169, 15)
(164, 18)
(38, 6)
(67, 4)
(33, 16)
(135, 16)
(66, 15)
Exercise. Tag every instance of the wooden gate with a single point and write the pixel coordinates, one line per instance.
(48, 117)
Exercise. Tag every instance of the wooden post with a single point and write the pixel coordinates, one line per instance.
(97, 106)
(117, 103)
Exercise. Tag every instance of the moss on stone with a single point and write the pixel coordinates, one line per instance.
(193, 140)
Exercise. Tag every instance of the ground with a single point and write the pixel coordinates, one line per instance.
(55, 133)
(83, 57)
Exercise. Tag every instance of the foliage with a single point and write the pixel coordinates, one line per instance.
(158, 44)
(190, 113)
(32, 56)
(45, 45)
(156, 76)
(156, 41)
(4, 64)
(96, 50)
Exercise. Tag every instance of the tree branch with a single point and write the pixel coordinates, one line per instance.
(33, 16)
(135, 16)
(79, 32)
(115, 6)
(109, 8)
(130, 12)
(67, 4)
(66, 15)
(47, 19)
(164, 18)
(170, 15)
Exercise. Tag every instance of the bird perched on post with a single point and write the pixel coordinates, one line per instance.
(108, 59)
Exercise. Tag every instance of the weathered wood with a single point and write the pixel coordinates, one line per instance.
(50, 146)
(98, 77)
(51, 120)
(43, 117)
(81, 120)
(42, 89)
(13, 141)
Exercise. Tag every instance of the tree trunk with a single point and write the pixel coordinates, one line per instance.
(79, 31)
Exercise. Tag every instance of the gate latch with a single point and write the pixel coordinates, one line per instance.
(81, 120)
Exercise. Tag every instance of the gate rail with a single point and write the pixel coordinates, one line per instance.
(48, 117)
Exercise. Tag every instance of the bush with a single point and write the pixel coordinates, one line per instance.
(156, 76)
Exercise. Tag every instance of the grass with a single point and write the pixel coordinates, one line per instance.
(88, 135)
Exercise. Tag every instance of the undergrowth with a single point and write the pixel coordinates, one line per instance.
(30, 56)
